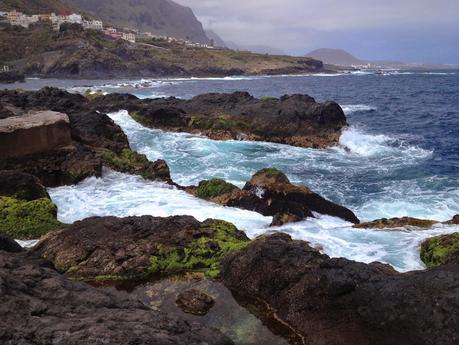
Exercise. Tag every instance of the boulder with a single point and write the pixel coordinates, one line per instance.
(34, 132)
(295, 120)
(41, 306)
(338, 301)
(9, 245)
(21, 186)
(133, 248)
(441, 250)
(270, 193)
(453, 221)
(195, 302)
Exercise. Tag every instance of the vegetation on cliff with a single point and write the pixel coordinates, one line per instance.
(76, 53)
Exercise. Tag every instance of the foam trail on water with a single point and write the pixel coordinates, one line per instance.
(355, 108)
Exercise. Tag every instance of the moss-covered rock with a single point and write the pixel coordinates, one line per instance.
(131, 162)
(440, 250)
(214, 188)
(394, 223)
(25, 220)
(203, 254)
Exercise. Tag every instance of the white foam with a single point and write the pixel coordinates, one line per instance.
(354, 108)
(27, 244)
(123, 195)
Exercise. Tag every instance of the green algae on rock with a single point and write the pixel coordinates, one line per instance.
(131, 162)
(203, 254)
(213, 188)
(138, 248)
(25, 220)
(440, 250)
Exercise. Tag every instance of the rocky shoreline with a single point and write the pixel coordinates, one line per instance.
(176, 280)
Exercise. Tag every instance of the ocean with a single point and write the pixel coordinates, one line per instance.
(399, 157)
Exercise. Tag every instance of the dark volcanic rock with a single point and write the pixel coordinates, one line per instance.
(40, 306)
(11, 77)
(295, 120)
(195, 302)
(9, 245)
(270, 193)
(21, 186)
(385, 223)
(337, 301)
(136, 247)
(96, 141)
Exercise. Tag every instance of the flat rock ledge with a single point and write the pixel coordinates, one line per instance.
(34, 132)
(342, 302)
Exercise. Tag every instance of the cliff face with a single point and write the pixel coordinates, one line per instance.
(158, 16)
(34, 6)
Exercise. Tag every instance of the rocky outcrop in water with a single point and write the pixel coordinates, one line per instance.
(441, 250)
(271, 193)
(404, 222)
(96, 141)
(337, 301)
(39, 305)
(133, 248)
(294, 120)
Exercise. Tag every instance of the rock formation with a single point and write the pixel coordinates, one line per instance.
(337, 301)
(34, 132)
(270, 193)
(96, 141)
(294, 120)
(39, 305)
(135, 248)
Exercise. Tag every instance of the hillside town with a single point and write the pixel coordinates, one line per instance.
(16, 18)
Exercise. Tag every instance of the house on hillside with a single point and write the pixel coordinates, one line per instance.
(128, 36)
(93, 25)
(4, 68)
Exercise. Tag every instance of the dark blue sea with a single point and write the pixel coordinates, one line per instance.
(399, 157)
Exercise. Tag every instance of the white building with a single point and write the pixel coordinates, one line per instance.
(128, 36)
(93, 24)
(4, 68)
(74, 18)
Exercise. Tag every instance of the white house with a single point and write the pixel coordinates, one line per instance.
(74, 18)
(93, 24)
(128, 36)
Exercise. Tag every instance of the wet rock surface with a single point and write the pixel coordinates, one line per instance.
(295, 120)
(110, 248)
(394, 223)
(270, 193)
(227, 314)
(95, 141)
(337, 301)
(39, 305)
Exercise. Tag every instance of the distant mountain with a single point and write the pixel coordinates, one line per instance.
(218, 41)
(163, 17)
(335, 57)
(260, 49)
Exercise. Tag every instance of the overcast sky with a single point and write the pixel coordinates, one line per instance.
(406, 30)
